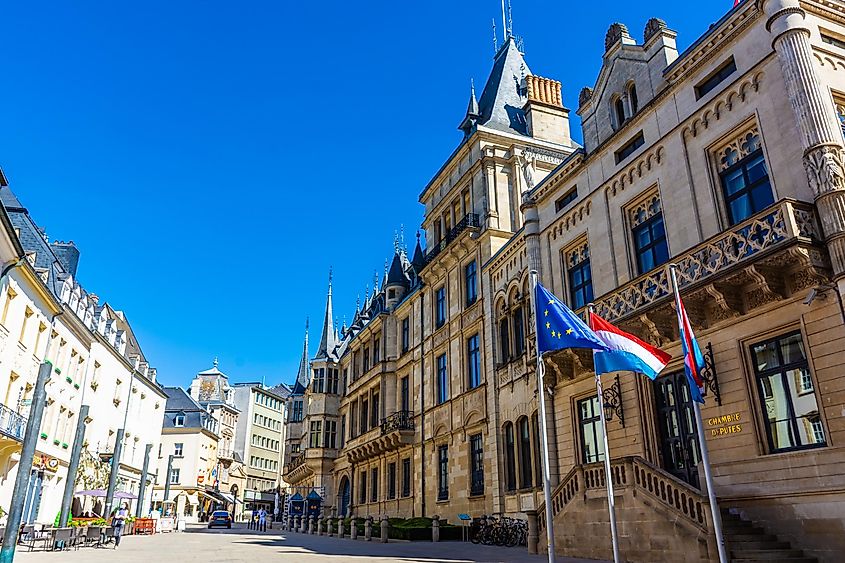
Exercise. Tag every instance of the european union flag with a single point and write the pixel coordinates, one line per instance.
(558, 327)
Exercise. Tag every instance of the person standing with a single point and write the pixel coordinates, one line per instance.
(262, 520)
(118, 521)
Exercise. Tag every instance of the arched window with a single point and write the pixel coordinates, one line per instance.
(632, 97)
(504, 341)
(510, 462)
(518, 332)
(525, 471)
(619, 109)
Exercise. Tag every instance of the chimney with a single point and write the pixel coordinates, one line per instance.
(68, 255)
(547, 119)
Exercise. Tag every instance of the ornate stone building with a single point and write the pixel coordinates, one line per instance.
(725, 159)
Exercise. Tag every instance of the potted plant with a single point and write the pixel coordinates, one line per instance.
(68, 379)
(76, 385)
(64, 446)
(43, 435)
(58, 370)
(56, 442)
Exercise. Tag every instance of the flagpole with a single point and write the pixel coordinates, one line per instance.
(541, 369)
(608, 478)
(702, 444)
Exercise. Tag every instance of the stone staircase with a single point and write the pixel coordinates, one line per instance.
(748, 543)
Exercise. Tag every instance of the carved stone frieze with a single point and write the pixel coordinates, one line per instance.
(763, 288)
(725, 304)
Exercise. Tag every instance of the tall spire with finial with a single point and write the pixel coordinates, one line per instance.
(327, 340)
(302, 373)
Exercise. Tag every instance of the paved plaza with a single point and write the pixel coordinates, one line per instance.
(240, 544)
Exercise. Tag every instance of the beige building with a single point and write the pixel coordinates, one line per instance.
(191, 435)
(726, 159)
(259, 441)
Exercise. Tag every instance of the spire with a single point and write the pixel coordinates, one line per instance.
(418, 260)
(504, 95)
(472, 114)
(302, 373)
(327, 340)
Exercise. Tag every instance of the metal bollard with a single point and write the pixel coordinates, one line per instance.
(303, 527)
(435, 528)
(384, 529)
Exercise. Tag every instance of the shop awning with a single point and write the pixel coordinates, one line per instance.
(214, 495)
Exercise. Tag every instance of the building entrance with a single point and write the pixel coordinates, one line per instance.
(677, 427)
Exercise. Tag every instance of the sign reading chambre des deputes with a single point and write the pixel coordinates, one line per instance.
(725, 424)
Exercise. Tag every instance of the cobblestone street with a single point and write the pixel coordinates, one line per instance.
(239, 544)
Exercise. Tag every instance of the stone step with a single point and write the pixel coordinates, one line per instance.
(767, 554)
(753, 544)
(734, 538)
(788, 560)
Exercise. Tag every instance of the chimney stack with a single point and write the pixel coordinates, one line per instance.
(547, 119)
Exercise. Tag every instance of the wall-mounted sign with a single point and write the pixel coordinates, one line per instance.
(725, 424)
(45, 463)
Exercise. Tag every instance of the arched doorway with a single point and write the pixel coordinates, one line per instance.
(343, 497)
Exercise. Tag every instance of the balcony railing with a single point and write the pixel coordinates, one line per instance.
(11, 423)
(296, 461)
(776, 226)
(226, 454)
(470, 221)
(401, 420)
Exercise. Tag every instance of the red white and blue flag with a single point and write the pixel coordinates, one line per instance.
(625, 352)
(693, 358)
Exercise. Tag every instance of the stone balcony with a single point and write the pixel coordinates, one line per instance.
(395, 431)
(12, 424)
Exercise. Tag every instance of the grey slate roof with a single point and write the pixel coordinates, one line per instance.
(180, 402)
(503, 97)
(327, 342)
(302, 375)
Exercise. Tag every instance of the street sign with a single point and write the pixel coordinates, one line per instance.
(464, 517)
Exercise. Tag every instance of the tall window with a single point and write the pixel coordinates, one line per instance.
(362, 489)
(510, 460)
(365, 414)
(366, 359)
(473, 362)
(406, 334)
(589, 421)
(476, 455)
(332, 381)
(619, 109)
(353, 419)
(406, 477)
(650, 243)
(504, 341)
(391, 480)
(538, 458)
(745, 178)
(296, 412)
(440, 309)
(330, 440)
(374, 485)
(376, 349)
(518, 332)
(470, 277)
(344, 381)
(174, 476)
(319, 380)
(632, 97)
(787, 395)
(375, 413)
(442, 382)
(579, 275)
(342, 430)
(314, 437)
(525, 463)
(405, 394)
(442, 472)
(178, 447)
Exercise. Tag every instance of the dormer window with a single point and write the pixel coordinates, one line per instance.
(179, 420)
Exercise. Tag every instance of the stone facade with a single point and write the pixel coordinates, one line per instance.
(689, 158)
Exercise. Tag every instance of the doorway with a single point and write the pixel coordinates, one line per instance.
(343, 500)
(677, 427)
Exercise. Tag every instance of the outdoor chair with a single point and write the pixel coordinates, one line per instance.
(62, 538)
(79, 536)
(93, 535)
(45, 537)
(108, 535)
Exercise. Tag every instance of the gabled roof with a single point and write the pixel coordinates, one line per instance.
(503, 97)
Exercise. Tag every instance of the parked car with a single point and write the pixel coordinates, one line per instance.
(220, 518)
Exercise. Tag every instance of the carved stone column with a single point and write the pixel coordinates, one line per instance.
(818, 125)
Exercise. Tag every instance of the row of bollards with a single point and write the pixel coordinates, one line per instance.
(321, 525)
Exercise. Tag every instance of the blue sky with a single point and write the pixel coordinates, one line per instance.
(213, 159)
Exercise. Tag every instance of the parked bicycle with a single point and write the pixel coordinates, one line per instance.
(502, 531)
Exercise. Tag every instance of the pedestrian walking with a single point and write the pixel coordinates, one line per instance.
(117, 522)
(253, 519)
(262, 520)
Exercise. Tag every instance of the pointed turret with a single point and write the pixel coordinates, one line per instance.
(418, 259)
(303, 372)
(504, 95)
(327, 340)
(472, 115)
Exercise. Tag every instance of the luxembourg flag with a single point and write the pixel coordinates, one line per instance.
(693, 358)
(626, 351)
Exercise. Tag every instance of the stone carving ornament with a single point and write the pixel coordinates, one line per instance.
(644, 210)
(615, 33)
(738, 148)
(825, 171)
(652, 28)
(585, 96)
